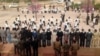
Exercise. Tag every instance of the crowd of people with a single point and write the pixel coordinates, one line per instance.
(30, 34)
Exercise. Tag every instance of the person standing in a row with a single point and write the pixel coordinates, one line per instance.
(48, 33)
(60, 35)
(82, 38)
(89, 35)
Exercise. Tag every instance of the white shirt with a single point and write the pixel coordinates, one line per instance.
(43, 19)
(51, 19)
(13, 26)
(6, 25)
(48, 27)
(18, 18)
(23, 25)
(94, 20)
(34, 27)
(33, 19)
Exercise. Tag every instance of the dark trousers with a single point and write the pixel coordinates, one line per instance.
(87, 22)
(74, 53)
(44, 43)
(39, 43)
(16, 49)
(28, 51)
(88, 43)
(35, 51)
(70, 41)
(82, 42)
(57, 53)
(49, 42)
(66, 54)
(60, 38)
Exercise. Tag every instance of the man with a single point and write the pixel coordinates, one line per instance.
(66, 36)
(44, 37)
(3, 35)
(87, 19)
(34, 34)
(77, 35)
(92, 16)
(89, 35)
(57, 47)
(72, 35)
(94, 22)
(28, 42)
(77, 22)
(82, 38)
(8, 35)
(60, 35)
(43, 20)
(63, 16)
(66, 48)
(48, 33)
(74, 48)
(35, 47)
(33, 20)
(6, 25)
(51, 20)
(97, 19)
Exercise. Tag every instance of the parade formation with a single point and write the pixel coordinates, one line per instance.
(62, 27)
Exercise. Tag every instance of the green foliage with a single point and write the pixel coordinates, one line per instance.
(97, 6)
(9, 1)
(27, 1)
(42, 0)
(75, 5)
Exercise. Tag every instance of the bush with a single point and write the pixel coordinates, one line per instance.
(27, 1)
(97, 6)
(75, 5)
(14, 1)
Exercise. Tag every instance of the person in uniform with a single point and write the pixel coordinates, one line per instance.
(74, 48)
(66, 48)
(94, 41)
(57, 47)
